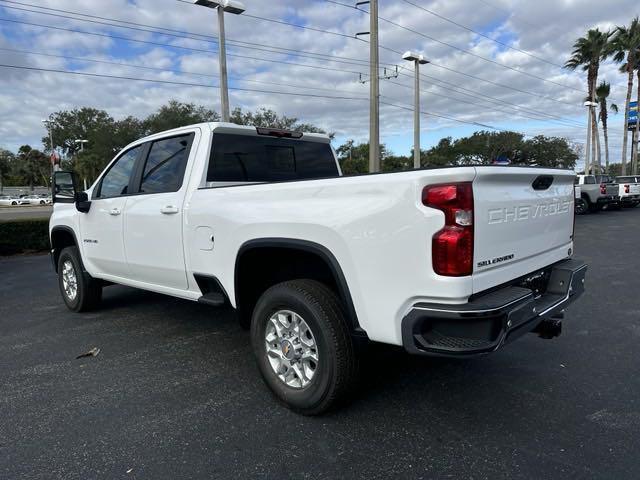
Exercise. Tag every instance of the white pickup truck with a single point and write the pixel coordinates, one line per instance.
(448, 262)
(629, 190)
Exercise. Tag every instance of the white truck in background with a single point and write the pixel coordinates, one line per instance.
(598, 192)
(629, 190)
(449, 262)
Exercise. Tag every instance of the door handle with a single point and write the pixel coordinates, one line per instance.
(169, 210)
(114, 211)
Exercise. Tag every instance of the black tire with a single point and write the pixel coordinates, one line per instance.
(581, 206)
(41, 202)
(336, 371)
(14, 203)
(89, 290)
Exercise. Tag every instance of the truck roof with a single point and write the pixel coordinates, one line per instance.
(227, 127)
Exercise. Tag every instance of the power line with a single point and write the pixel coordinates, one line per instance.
(518, 113)
(158, 69)
(259, 59)
(360, 61)
(170, 82)
(180, 47)
(254, 58)
(475, 94)
(467, 52)
(446, 19)
(243, 79)
(189, 35)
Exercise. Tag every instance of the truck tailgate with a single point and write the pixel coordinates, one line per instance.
(523, 222)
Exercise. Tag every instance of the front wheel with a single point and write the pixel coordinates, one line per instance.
(80, 291)
(303, 346)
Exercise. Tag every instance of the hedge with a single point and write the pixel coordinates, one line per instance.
(23, 236)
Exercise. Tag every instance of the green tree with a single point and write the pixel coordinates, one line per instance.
(6, 159)
(483, 148)
(602, 93)
(444, 153)
(85, 123)
(354, 159)
(265, 117)
(177, 114)
(542, 151)
(33, 166)
(626, 44)
(588, 52)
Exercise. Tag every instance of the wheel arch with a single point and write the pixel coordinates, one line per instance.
(310, 253)
(61, 237)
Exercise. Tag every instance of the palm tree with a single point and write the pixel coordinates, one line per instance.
(602, 93)
(625, 45)
(587, 53)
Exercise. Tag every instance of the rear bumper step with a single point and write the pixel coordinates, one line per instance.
(490, 321)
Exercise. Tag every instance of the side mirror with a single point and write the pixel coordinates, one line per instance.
(65, 191)
(64, 187)
(82, 202)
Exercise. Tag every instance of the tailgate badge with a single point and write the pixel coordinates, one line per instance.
(493, 261)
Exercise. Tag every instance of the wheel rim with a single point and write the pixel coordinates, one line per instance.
(69, 280)
(291, 348)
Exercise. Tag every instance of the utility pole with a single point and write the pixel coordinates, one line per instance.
(417, 60)
(230, 6)
(374, 107)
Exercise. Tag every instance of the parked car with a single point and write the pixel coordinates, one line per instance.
(629, 190)
(35, 200)
(598, 191)
(13, 201)
(450, 262)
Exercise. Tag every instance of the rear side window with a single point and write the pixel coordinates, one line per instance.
(589, 180)
(165, 165)
(116, 181)
(244, 158)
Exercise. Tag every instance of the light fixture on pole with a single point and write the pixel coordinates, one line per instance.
(229, 6)
(417, 60)
(81, 142)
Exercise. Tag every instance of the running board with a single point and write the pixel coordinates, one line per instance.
(213, 299)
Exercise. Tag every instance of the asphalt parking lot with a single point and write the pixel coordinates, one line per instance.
(174, 392)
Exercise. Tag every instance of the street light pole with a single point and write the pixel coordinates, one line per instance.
(417, 60)
(222, 57)
(230, 6)
(587, 152)
(374, 94)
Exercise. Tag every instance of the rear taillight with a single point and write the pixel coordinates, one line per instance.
(603, 189)
(626, 189)
(452, 247)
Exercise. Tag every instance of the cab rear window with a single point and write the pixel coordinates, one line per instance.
(245, 158)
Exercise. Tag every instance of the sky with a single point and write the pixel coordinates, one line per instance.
(494, 63)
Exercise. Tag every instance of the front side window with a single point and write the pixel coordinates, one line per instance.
(116, 180)
(166, 164)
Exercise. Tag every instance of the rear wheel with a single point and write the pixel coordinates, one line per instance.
(581, 206)
(80, 291)
(303, 346)
(14, 203)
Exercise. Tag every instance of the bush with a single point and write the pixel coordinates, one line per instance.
(21, 236)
